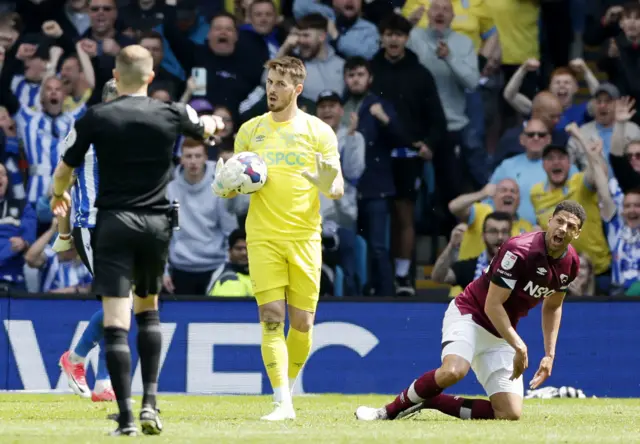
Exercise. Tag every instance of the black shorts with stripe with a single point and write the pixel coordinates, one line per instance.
(83, 241)
(131, 247)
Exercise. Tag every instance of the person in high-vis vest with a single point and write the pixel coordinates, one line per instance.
(232, 278)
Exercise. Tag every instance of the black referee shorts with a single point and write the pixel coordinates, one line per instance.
(130, 248)
(407, 176)
(83, 241)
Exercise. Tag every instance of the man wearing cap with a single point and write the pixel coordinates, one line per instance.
(579, 187)
(602, 127)
(344, 211)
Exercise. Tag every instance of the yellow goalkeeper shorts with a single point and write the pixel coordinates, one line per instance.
(294, 265)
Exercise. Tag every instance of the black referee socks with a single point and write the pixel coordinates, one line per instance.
(119, 365)
(149, 347)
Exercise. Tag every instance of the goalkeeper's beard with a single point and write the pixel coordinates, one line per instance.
(278, 107)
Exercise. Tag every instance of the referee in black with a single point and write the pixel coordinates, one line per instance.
(133, 137)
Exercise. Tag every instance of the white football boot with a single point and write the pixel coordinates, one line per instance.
(283, 410)
(370, 414)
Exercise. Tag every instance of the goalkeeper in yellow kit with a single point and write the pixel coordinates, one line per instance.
(283, 224)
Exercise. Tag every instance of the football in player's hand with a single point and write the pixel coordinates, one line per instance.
(254, 172)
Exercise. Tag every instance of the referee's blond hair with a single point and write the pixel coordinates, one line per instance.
(291, 66)
(134, 65)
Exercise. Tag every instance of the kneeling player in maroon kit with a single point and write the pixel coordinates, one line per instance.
(479, 327)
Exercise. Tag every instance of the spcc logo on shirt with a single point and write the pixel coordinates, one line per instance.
(284, 158)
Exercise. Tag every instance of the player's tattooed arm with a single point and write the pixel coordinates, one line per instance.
(442, 271)
(460, 207)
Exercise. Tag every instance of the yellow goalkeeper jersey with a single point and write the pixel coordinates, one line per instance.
(288, 206)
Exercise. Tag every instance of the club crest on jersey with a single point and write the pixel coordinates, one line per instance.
(508, 261)
(564, 278)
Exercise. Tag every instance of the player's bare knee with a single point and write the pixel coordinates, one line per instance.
(508, 414)
(272, 313)
(453, 370)
(450, 375)
(506, 406)
(301, 320)
(117, 312)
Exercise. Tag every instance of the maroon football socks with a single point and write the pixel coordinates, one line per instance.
(424, 387)
(462, 408)
(425, 390)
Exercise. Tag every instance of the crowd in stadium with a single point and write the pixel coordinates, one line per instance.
(464, 119)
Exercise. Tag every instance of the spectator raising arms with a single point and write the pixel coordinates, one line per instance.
(580, 187)
(308, 41)
(496, 229)
(468, 209)
(563, 84)
(349, 34)
(526, 168)
(622, 61)
(233, 70)
(625, 152)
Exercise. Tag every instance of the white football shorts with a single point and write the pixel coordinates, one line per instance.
(491, 358)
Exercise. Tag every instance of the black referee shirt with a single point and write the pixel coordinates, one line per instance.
(133, 138)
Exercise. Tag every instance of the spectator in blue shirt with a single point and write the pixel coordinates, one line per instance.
(526, 168)
(545, 107)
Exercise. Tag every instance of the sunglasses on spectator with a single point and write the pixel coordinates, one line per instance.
(101, 8)
(532, 134)
(631, 156)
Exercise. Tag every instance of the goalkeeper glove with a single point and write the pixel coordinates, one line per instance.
(325, 175)
(228, 177)
(61, 245)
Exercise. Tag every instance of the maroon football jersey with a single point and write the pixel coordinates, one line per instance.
(521, 264)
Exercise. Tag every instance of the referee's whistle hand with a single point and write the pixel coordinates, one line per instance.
(212, 125)
(60, 204)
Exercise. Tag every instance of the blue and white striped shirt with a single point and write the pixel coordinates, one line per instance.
(42, 135)
(55, 275)
(624, 243)
(27, 93)
(12, 153)
(85, 190)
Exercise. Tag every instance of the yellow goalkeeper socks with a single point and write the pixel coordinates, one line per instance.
(298, 346)
(276, 359)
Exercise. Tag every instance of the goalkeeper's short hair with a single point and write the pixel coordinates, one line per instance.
(109, 90)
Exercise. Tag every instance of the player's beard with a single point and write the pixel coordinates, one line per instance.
(281, 105)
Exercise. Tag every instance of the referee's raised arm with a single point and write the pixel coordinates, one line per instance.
(133, 138)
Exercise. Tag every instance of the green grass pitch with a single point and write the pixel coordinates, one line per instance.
(27, 418)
